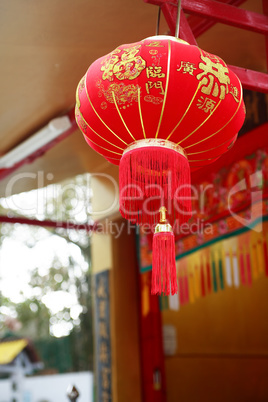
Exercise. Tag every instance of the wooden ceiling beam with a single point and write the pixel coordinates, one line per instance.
(227, 14)
(253, 80)
(200, 25)
(221, 12)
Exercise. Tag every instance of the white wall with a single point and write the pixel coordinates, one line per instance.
(51, 388)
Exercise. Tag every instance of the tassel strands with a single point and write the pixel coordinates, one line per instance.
(164, 277)
(164, 274)
(153, 173)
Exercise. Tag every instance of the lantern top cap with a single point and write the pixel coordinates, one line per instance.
(167, 37)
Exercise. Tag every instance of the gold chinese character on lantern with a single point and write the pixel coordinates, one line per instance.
(212, 57)
(234, 92)
(127, 65)
(214, 79)
(206, 104)
(153, 52)
(155, 44)
(154, 72)
(187, 67)
(157, 85)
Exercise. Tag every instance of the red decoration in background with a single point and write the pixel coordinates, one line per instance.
(159, 108)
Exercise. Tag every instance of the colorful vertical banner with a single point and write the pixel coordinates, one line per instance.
(231, 262)
(103, 338)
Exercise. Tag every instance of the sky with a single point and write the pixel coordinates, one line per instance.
(20, 253)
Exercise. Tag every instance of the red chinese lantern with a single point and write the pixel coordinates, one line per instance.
(158, 108)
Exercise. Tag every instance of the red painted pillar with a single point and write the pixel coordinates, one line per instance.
(152, 356)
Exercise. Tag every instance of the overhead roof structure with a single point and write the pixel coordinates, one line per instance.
(46, 47)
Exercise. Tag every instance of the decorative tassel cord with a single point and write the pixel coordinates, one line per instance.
(164, 275)
(151, 177)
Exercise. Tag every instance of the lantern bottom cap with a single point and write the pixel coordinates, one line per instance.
(155, 142)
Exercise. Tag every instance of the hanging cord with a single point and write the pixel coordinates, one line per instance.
(158, 20)
(178, 20)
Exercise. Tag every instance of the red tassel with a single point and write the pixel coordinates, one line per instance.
(151, 176)
(164, 276)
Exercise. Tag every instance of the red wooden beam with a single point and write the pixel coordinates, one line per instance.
(170, 14)
(201, 25)
(253, 80)
(186, 32)
(49, 224)
(220, 12)
(228, 14)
